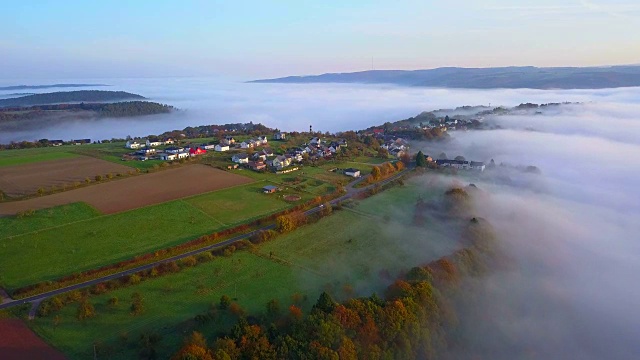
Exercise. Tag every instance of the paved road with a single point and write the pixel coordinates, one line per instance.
(351, 191)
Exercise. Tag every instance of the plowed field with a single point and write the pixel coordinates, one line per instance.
(138, 191)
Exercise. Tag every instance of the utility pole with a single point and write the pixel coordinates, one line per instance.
(95, 355)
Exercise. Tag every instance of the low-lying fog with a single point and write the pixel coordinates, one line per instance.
(328, 107)
(574, 231)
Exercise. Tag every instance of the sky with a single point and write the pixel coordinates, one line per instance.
(252, 39)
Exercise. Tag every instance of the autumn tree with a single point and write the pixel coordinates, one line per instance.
(399, 165)
(85, 310)
(137, 304)
(375, 173)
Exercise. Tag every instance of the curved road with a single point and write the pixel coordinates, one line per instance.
(351, 191)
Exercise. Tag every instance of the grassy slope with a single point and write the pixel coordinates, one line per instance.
(171, 300)
(345, 249)
(48, 254)
(236, 205)
(46, 218)
(27, 156)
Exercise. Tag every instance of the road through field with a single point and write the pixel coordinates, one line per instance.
(126, 194)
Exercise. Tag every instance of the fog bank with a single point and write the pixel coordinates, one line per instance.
(328, 107)
(572, 232)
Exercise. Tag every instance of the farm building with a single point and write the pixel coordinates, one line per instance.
(352, 172)
(221, 147)
(269, 189)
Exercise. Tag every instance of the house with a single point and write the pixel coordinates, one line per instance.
(168, 156)
(82, 141)
(197, 151)
(352, 172)
(154, 143)
(146, 151)
(267, 152)
(280, 162)
(168, 141)
(230, 140)
(262, 140)
(241, 158)
(174, 150)
(259, 156)
(182, 155)
(207, 146)
(132, 144)
(269, 189)
(56, 142)
(477, 165)
(257, 165)
(315, 141)
(247, 144)
(221, 147)
(457, 164)
(280, 136)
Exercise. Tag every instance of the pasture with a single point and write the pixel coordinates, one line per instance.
(37, 249)
(170, 303)
(347, 254)
(45, 218)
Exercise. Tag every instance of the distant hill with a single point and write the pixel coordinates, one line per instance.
(486, 78)
(26, 87)
(24, 118)
(70, 97)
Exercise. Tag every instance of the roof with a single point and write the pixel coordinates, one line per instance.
(270, 187)
(351, 170)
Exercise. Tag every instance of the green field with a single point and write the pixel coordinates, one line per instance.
(46, 218)
(170, 302)
(347, 254)
(78, 246)
(81, 240)
(27, 156)
(239, 204)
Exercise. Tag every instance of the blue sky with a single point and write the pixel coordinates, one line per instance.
(271, 38)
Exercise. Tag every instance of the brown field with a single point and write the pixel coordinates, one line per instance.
(26, 179)
(18, 342)
(131, 193)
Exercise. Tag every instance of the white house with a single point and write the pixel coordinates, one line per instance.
(168, 156)
(477, 165)
(174, 150)
(279, 136)
(146, 151)
(241, 158)
(262, 140)
(315, 140)
(230, 140)
(352, 172)
(221, 147)
(207, 146)
(132, 144)
(154, 143)
(247, 144)
(182, 155)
